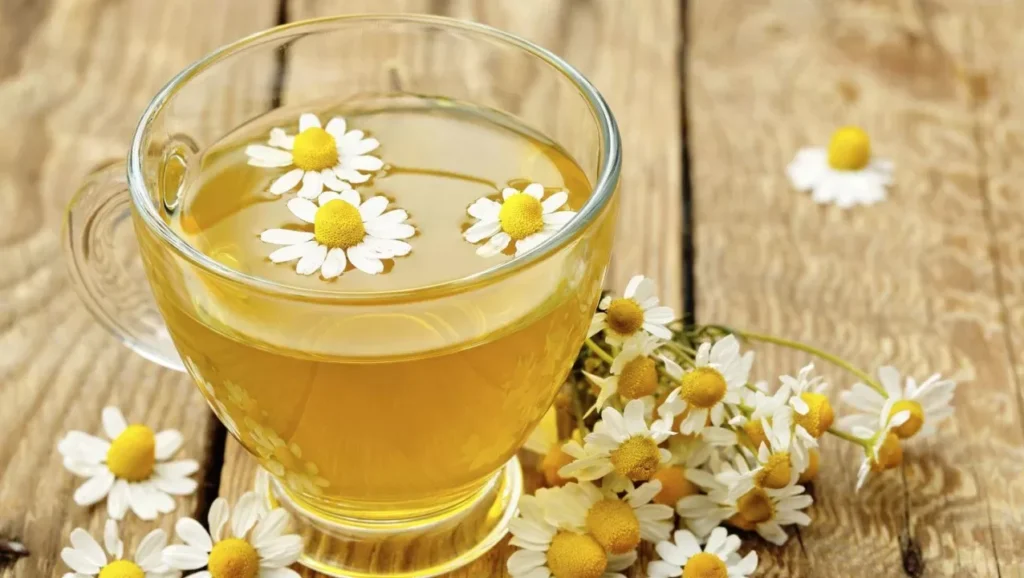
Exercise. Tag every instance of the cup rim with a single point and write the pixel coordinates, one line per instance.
(603, 188)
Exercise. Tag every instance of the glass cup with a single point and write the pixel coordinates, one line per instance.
(389, 421)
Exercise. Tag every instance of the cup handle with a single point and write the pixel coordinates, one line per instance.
(106, 266)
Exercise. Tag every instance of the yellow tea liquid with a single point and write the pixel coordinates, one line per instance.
(374, 406)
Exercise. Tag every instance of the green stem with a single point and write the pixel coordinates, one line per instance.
(577, 406)
(848, 437)
(604, 355)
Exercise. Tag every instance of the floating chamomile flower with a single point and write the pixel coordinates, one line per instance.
(718, 559)
(623, 444)
(637, 310)
(548, 549)
(344, 231)
(719, 377)
(131, 470)
(845, 173)
(928, 404)
(264, 552)
(322, 156)
(634, 374)
(87, 558)
(525, 217)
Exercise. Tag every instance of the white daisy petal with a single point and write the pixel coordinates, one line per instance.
(286, 182)
(495, 245)
(175, 486)
(334, 264)
(312, 185)
(270, 527)
(308, 120)
(365, 163)
(387, 248)
(218, 518)
(88, 547)
(535, 190)
(558, 219)
(142, 502)
(554, 202)
(364, 260)
(336, 127)
(350, 196)
(278, 573)
(285, 236)
(292, 252)
(391, 218)
(304, 209)
(481, 230)
(193, 534)
(111, 541)
(79, 562)
(94, 489)
(264, 156)
(113, 422)
(167, 443)
(331, 180)
(280, 139)
(373, 208)
(531, 242)
(484, 209)
(281, 551)
(312, 260)
(185, 558)
(117, 500)
(245, 514)
(399, 231)
(148, 553)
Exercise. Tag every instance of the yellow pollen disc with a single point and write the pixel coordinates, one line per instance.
(890, 455)
(234, 558)
(914, 423)
(521, 216)
(614, 525)
(819, 416)
(625, 316)
(315, 150)
(122, 569)
(639, 378)
(703, 387)
(576, 556)
(338, 224)
(705, 565)
(813, 463)
(849, 149)
(674, 486)
(553, 461)
(755, 430)
(775, 474)
(756, 506)
(133, 454)
(637, 458)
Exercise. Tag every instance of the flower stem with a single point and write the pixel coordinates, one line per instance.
(848, 437)
(596, 349)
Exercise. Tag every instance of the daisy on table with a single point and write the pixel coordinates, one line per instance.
(548, 549)
(87, 558)
(845, 173)
(718, 378)
(633, 373)
(330, 156)
(781, 457)
(525, 217)
(719, 558)
(637, 311)
(131, 469)
(881, 443)
(927, 404)
(812, 411)
(345, 231)
(255, 541)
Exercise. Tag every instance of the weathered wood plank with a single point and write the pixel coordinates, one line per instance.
(910, 282)
(629, 50)
(74, 78)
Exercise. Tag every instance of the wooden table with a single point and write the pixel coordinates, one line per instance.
(714, 97)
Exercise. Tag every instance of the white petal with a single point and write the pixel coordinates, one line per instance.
(391, 218)
(175, 486)
(117, 500)
(286, 182)
(350, 175)
(245, 514)
(303, 209)
(671, 553)
(312, 185)
(78, 562)
(278, 573)
(495, 246)
(84, 447)
(662, 569)
(632, 286)
(142, 502)
(350, 196)
(281, 551)
(285, 236)
(311, 261)
(529, 243)
(334, 264)
(293, 252)
(94, 489)
(557, 220)
(364, 260)
(280, 139)
(484, 209)
(148, 553)
(331, 181)
(88, 547)
(192, 533)
(535, 190)
(111, 541)
(264, 156)
(168, 442)
(481, 230)
(336, 127)
(113, 422)
(185, 558)
(400, 231)
(218, 518)
(555, 202)
(308, 120)
(373, 208)
(361, 148)
(387, 248)
(270, 527)
(364, 163)
(890, 379)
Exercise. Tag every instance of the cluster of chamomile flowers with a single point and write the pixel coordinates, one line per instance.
(674, 444)
(336, 229)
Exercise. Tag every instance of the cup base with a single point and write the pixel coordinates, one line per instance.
(406, 549)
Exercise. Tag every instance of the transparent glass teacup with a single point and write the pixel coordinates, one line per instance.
(389, 421)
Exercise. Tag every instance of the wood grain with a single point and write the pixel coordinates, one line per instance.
(918, 282)
(74, 77)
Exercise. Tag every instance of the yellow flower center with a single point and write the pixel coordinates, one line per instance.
(521, 216)
(755, 506)
(819, 416)
(315, 150)
(813, 463)
(849, 149)
(234, 558)
(890, 454)
(674, 486)
(775, 473)
(755, 430)
(133, 454)
(738, 521)
(614, 525)
(338, 224)
(703, 387)
(576, 556)
(625, 316)
(553, 461)
(639, 378)
(122, 569)
(705, 565)
(914, 423)
(637, 458)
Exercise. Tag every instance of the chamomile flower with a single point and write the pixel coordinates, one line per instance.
(688, 454)
(883, 450)
(845, 173)
(131, 470)
(623, 444)
(633, 373)
(87, 558)
(525, 217)
(637, 310)
(330, 156)
(928, 404)
(544, 442)
(763, 510)
(812, 411)
(780, 458)
(253, 546)
(345, 231)
(719, 377)
(617, 524)
(547, 549)
(718, 559)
